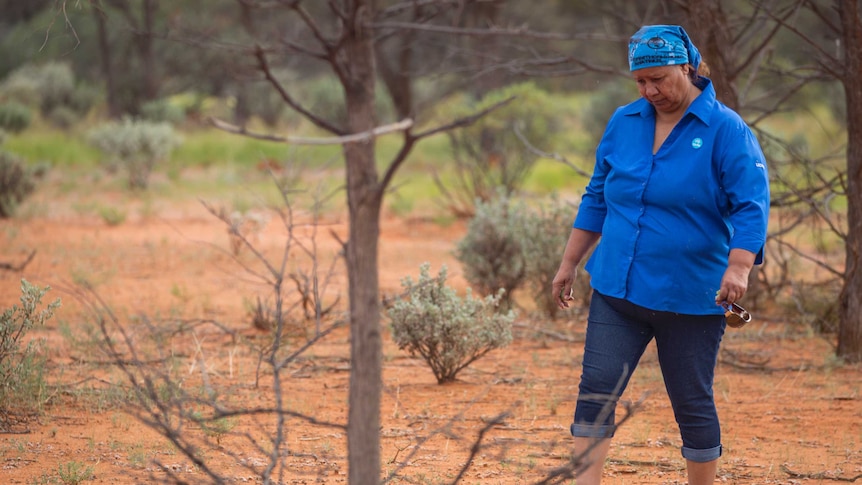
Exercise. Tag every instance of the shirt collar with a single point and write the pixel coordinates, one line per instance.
(701, 107)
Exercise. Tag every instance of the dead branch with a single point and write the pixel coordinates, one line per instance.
(818, 475)
(263, 64)
(410, 139)
(493, 31)
(577, 463)
(466, 120)
(548, 333)
(402, 125)
(554, 156)
(18, 267)
(734, 359)
(477, 444)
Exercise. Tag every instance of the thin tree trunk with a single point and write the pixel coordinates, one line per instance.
(114, 109)
(710, 32)
(145, 43)
(364, 199)
(850, 326)
(483, 15)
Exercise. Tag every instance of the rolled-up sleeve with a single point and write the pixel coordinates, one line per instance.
(745, 179)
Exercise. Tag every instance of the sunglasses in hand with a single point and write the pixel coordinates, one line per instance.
(735, 315)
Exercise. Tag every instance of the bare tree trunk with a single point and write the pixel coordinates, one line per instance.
(145, 43)
(850, 326)
(484, 15)
(397, 78)
(364, 200)
(711, 33)
(114, 109)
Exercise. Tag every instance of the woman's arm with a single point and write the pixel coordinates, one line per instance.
(580, 242)
(734, 283)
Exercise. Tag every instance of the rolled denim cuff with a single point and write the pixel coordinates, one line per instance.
(581, 430)
(701, 456)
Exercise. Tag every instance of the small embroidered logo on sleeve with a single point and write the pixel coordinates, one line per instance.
(697, 143)
(759, 164)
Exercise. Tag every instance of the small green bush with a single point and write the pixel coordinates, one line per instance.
(112, 215)
(492, 253)
(136, 146)
(74, 473)
(14, 117)
(22, 367)
(16, 183)
(449, 332)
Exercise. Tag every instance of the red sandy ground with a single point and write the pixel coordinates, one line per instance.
(795, 419)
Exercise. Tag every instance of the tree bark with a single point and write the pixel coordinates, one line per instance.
(114, 109)
(364, 200)
(710, 32)
(145, 41)
(850, 325)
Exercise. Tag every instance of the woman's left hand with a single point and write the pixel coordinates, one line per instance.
(734, 283)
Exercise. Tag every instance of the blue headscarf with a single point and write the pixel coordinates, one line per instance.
(661, 45)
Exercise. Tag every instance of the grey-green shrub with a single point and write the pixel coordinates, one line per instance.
(491, 253)
(543, 234)
(16, 183)
(449, 332)
(51, 87)
(55, 83)
(136, 146)
(14, 117)
(21, 366)
(512, 246)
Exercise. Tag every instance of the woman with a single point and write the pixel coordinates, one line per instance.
(678, 204)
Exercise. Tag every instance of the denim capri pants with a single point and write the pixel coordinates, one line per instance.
(617, 335)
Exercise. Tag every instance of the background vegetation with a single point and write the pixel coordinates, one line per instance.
(508, 104)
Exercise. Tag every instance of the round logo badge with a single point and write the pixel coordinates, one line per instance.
(696, 143)
(656, 43)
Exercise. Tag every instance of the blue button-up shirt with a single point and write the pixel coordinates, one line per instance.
(668, 220)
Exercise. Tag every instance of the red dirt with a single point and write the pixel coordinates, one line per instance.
(797, 418)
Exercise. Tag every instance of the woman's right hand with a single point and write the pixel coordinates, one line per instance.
(579, 243)
(561, 289)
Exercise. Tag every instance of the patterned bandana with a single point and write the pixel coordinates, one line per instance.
(661, 45)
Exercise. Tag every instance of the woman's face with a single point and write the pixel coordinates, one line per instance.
(665, 87)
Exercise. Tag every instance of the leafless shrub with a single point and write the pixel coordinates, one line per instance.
(195, 410)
